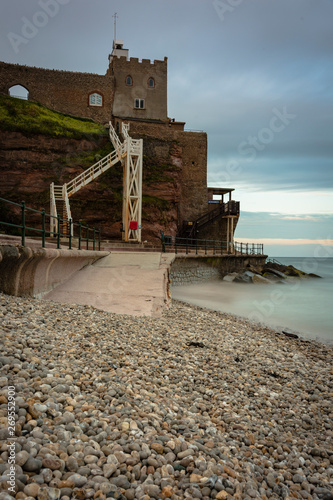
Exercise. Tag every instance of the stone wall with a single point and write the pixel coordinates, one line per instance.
(155, 98)
(186, 271)
(196, 269)
(63, 91)
(185, 150)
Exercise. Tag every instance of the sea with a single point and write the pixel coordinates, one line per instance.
(304, 306)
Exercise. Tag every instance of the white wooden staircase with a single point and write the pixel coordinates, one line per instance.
(130, 154)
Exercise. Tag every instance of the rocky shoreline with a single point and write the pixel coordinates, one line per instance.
(196, 404)
(271, 272)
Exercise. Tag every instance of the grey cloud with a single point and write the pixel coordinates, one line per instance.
(225, 77)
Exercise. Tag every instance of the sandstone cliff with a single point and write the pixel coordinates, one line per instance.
(30, 161)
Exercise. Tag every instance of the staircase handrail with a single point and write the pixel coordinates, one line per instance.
(208, 216)
(124, 129)
(66, 200)
(100, 166)
(54, 213)
(92, 172)
(212, 214)
(52, 195)
(114, 138)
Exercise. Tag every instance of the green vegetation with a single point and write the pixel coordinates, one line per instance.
(89, 158)
(154, 172)
(18, 115)
(154, 201)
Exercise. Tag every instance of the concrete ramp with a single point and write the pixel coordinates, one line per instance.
(135, 283)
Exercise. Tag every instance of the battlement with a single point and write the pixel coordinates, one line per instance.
(140, 88)
(122, 60)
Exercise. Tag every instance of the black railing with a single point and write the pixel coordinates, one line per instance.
(81, 232)
(215, 247)
(221, 210)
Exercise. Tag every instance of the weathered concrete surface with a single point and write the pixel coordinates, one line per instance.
(33, 272)
(135, 283)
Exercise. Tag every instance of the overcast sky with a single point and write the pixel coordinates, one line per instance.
(256, 75)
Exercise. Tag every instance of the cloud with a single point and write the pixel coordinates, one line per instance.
(303, 218)
(224, 77)
(288, 241)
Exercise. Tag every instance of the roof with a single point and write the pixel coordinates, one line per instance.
(220, 190)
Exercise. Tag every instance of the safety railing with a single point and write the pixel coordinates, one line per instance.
(82, 236)
(205, 247)
(91, 173)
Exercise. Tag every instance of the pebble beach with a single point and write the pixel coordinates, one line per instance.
(194, 404)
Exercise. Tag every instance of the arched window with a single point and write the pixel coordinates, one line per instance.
(19, 91)
(151, 83)
(95, 99)
(129, 81)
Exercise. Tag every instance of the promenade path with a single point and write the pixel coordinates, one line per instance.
(135, 283)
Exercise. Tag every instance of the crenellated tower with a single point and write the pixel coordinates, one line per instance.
(140, 87)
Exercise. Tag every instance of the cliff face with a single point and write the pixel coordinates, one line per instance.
(29, 163)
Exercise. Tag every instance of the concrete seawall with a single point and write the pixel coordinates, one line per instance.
(135, 283)
(28, 272)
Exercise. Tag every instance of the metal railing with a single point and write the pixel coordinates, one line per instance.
(84, 235)
(215, 247)
(222, 209)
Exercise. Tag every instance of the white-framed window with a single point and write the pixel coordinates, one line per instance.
(129, 80)
(95, 99)
(139, 103)
(151, 83)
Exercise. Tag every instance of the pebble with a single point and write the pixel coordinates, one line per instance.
(195, 404)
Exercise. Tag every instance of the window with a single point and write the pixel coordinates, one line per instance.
(95, 99)
(151, 83)
(19, 91)
(139, 104)
(129, 81)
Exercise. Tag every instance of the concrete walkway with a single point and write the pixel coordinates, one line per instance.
(135, 283)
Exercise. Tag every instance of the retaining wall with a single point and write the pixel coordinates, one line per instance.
(195, 269)
(32, 273)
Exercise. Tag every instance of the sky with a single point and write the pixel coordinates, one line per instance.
(256, 75)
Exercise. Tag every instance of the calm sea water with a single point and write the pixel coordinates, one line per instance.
(303, 306)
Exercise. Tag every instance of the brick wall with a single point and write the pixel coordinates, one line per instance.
(63, 91)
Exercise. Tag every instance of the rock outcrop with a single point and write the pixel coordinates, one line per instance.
(270, 272)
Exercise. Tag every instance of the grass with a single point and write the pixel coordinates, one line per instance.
(17, 115)
(154, 201)
(154, 172)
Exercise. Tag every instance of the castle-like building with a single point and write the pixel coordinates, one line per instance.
(135, 92)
